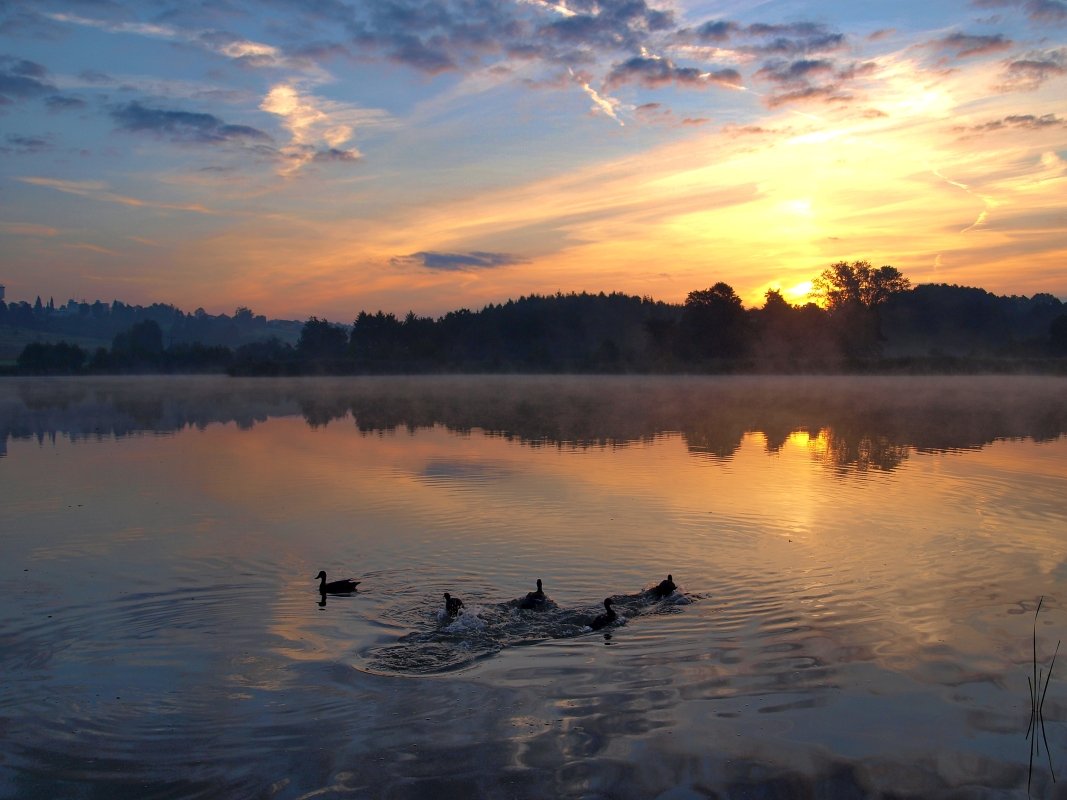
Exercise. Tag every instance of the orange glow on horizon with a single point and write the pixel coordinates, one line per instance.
(900, 179)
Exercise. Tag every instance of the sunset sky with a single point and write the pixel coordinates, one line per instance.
(325, 156)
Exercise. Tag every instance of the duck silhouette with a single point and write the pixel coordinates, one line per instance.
(664, 588)
(336, 587)
(452, 605)
(608, 617)
(534, 599)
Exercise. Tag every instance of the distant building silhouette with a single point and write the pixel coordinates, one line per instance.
(1, 292)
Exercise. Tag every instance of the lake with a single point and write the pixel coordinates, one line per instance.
(859, 563)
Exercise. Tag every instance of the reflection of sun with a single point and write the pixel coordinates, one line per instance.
(815, 442)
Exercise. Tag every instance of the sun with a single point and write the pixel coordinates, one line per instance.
(800, 293)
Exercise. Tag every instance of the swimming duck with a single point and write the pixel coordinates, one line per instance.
(336, 587)
(608, 617)
(534, 599)
(452, 605)
(664, 587)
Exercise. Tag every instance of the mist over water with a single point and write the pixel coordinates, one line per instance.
(858, 564)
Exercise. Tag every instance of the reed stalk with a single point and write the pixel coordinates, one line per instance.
(1037, 706)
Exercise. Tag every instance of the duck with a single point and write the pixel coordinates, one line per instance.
(665, 587)
(608, 617)
(335, 587)
(452, 605)
(534, 599)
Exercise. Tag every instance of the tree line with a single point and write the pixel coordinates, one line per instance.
(104, 321)
(860, 317)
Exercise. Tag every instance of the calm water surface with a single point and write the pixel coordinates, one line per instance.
(859, 562)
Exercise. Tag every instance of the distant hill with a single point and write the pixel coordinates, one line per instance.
(96, 324)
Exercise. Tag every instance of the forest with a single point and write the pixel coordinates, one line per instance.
(859, 319)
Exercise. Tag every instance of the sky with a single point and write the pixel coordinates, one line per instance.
(320, 157)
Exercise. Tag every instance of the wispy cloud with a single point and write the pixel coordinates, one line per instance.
(452, 262)
(793, 39)
(23, 145)
(111, 26)
(59, 102)
(28, 229)
(1034, 69)
(184, 126)
(21, 79)
(98, 190)
(819, 80)
(602, 104)
(1031, 122)
(967, 45)
(318, 129)
(244, 51)
(1043, 12)
(654, 71)
(91, 248)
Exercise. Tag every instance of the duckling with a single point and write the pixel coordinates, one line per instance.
(452, 605)
(534, 599)
(336, 587)
(608, 617)
(664, 588)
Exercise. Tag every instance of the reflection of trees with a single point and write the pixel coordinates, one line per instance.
(863, 423)
(118, 407)
(858, 451)
(45, 395)
(319, 410)
(707, 438)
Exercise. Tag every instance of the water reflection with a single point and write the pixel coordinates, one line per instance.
(852, 424)
(162, 635)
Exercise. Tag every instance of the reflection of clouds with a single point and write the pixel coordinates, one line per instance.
(463, 472)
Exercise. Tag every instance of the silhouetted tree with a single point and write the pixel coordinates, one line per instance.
(142, 341)
(1057, 335)
(20, 315)
(844, 284)
(792, 337)
(320, 339)
(852, 294)
(139, 348)
(662, 334)
(867, 312)
(272, 357)
(51, 358)
(375, 339)
(714, 324)
(197, 357)
(939, 319)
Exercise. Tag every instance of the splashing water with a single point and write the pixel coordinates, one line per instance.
(481, 630)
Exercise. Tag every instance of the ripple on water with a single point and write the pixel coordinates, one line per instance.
(482, 630)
